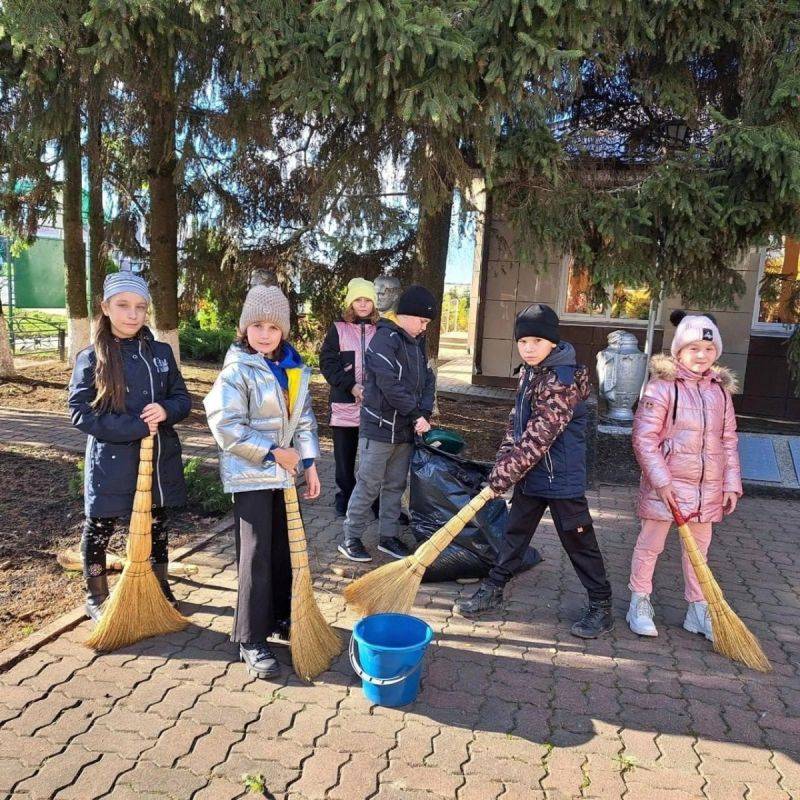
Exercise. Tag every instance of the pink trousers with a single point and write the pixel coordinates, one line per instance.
(649, 545)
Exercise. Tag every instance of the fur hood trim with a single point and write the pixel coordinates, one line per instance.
(665, 368)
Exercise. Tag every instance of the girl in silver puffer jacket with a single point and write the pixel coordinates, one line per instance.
(263, 435)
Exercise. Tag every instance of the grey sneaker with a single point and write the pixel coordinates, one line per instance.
(260, 661)
(488, 597)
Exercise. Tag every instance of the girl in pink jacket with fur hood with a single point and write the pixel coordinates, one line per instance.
(684, 438)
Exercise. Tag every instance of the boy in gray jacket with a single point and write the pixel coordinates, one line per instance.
(398, 403)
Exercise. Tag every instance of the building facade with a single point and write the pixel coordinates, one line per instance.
(755, 332)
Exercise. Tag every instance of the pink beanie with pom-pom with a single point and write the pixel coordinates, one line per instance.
(694, 328)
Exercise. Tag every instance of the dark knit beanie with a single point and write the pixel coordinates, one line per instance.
(417, 301)
(537, 320)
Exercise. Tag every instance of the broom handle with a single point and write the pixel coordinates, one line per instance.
(463, 516)
(140, 529)
(685, 531)
(294, 523)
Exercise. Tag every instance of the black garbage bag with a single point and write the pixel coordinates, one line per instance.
(441, 484)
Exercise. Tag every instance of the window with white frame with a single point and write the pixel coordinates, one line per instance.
(778, 300)
(628, 303)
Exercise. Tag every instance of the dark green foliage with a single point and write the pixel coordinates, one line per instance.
(204, 345)
(205, 489)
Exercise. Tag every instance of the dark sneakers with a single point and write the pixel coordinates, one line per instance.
(283, 629)
(354, 550)
(393, 547)
(488, 597)
(258, 658)
(596, 620)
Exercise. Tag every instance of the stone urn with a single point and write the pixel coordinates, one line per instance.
(621, 370)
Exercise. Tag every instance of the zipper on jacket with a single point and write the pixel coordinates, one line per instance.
(158, 436)
(363, 355)
(702, 454)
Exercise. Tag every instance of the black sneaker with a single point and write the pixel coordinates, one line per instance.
(282, 630)
(597, 619)
(354, 550)
(488, 597)
(393, 547)
(260, 661)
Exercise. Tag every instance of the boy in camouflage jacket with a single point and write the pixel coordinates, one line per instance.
(543, 456)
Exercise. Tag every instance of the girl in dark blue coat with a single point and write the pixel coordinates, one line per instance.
(126, 386)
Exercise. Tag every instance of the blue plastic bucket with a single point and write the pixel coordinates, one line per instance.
(391, 648)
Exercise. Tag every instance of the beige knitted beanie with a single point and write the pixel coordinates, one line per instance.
(265, 304)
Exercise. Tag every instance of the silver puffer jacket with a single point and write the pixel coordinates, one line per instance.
(247, 414)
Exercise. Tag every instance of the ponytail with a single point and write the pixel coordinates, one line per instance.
(109, 378)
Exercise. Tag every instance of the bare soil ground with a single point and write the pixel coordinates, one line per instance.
(41, 512)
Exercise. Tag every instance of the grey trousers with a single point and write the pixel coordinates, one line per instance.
(382, 470)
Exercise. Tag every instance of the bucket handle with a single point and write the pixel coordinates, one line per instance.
(371, 678)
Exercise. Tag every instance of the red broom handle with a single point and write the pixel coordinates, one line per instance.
(677, 515)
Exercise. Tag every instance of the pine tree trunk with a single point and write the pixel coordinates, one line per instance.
(164, 213)
(74, 253)
(94, 152)
(6, 356)
(433, 235)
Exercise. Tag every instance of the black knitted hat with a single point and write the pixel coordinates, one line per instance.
(417, 301)
(537, 320)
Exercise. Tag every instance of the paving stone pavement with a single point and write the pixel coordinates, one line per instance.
(511, 706)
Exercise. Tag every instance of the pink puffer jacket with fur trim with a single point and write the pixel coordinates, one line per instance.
(684, 433)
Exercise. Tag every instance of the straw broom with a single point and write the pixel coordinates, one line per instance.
(393, 587)
(732, 639)
(137, 608)
(312, 641)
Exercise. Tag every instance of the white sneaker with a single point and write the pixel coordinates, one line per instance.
(698, 620)
(640, 615)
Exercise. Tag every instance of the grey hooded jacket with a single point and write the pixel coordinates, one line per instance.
(247, 414)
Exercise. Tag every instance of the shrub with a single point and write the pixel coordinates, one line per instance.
(75, 483)
(204, 488)
(202, 344)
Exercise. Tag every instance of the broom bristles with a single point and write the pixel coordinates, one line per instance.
(732, 638)
(137, 608)
(393, 587)
(312, 640)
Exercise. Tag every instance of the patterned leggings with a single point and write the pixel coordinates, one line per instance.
(98, 530)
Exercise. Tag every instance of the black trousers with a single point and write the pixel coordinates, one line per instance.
(97, 531)
(575, 529)
(345, 450)
(263, 564)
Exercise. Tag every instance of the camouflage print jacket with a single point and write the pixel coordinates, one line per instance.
(545, 443)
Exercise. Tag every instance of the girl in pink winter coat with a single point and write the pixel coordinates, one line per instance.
(341, 361)
(684, 438)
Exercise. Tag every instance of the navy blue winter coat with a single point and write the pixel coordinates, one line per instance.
(399, 387)
(112, 450)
